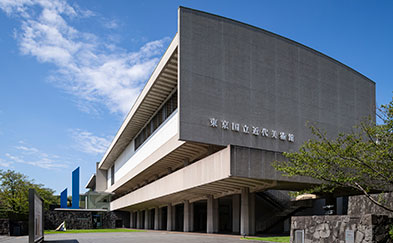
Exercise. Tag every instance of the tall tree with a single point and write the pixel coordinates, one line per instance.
(361, 160)
(14, 192)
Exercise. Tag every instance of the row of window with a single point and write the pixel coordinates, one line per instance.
(166, 110)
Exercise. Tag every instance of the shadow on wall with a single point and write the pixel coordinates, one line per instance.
(61, 241)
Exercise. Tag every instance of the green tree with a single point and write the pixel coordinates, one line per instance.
(361, 160)
(14, 193)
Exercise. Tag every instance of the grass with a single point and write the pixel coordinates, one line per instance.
(90, 231)
(273, 239)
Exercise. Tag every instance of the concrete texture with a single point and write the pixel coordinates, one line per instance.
(239, 73)
(145, 237)
(207, 170)
(256, 163)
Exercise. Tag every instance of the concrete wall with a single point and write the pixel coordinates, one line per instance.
(366, 228)
(167, 130)
(124, 157)
(101, 179)
(256, 163)
(207, 170)
(235, 72)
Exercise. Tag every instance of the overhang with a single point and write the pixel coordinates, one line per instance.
(92, 182)
(161, 84)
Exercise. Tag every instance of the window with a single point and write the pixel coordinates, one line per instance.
(165, 111)
(112, 175)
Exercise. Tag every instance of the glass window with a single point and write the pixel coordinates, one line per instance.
(166, 110)
(112, 174)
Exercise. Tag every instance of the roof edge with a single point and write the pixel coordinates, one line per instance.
(279, 36)
(168, 52)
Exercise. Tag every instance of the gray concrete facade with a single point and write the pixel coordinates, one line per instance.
(235, 72)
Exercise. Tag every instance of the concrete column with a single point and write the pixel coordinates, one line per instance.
(138, 220)
(215, 215)
(191, 224)
(245, 213)
(209, 223)
(142, 223)
(173, 217)
(132, 215)
(147, 219)
(160, 218)
(186, 214)
(236, 214)
(212, 215)
(169, 218)
(156, 218)
(252, 213)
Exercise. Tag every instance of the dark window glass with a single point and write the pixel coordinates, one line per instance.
(166, 110)
(112, 174)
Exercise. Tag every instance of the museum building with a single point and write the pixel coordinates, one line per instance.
(226, 99)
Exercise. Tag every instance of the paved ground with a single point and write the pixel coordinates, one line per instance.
(142, 237)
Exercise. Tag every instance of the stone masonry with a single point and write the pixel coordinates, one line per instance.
(358, 205)
(84, 219)
(4, 226)
(332, 228)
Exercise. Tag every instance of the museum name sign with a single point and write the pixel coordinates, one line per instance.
(257, 131)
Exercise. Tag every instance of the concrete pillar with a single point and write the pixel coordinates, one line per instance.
(132, 215)
(138, 220)
(186, 215)
(215, 215)
(191, 224)
(169, 218)
(252, 213)
(173, 217)
(147, 219)
(156, 218)
(245, 213)
(160, 218)
(142, 223)
(212, 215)
(209, 223)
(236, 214)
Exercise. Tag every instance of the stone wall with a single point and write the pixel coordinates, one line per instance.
(359, 205)
(84, 219)
(332, 228)
(4, 226)
(110, 218)
(73, 219)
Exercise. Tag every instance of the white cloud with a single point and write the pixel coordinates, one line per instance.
(89, 143)
(5, 163)
(111, 24)
(35, 157)
(96, 72)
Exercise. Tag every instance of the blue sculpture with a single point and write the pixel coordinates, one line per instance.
(75, 188)
(75, 192)
(63, 199)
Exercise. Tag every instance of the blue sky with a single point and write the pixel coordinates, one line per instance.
(70, 70)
